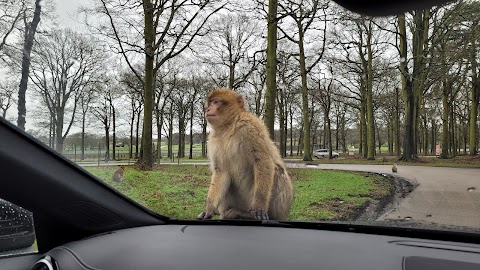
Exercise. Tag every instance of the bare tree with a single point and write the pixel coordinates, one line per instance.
(169, 28)
(135, 95)
(7, 99)
(86, 99)
(231, 43)
(11, 13)
(305, 16)
(102, 111)
(64, 65)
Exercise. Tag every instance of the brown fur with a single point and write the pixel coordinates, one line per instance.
(394, 168)
(249, 178)
(118, 174)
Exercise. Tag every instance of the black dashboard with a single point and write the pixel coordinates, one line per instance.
(250, 247)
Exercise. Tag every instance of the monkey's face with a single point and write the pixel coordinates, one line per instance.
(214, 111)
(221, 106)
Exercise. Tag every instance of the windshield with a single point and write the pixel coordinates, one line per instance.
(371, 120)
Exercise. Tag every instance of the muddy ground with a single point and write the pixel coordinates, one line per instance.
(373, 211)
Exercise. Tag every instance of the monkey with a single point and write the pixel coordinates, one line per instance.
(249, 179)
(394, 168)
(118, 174)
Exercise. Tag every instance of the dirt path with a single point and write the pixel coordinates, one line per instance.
(444, 196)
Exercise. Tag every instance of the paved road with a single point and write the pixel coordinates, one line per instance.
(447, 196)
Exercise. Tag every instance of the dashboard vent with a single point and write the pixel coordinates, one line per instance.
(89, 216)
(46, 263)
(425, 263)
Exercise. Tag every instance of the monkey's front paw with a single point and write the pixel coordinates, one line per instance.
(204, 215)
(259, 214)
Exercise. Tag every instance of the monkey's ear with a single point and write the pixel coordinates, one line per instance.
(240, 101)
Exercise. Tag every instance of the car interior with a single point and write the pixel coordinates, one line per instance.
(82, 223)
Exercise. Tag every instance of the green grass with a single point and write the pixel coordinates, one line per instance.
(334, 195)
(180, 191)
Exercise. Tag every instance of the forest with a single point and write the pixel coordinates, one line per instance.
(318, 75)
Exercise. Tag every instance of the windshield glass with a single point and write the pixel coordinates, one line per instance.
(372, 120)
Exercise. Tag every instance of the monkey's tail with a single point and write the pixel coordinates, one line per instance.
(280, 206)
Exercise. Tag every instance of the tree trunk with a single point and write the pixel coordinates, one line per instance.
(453, 132)
(181, 132)
(398, 149)
(107, 143)
(434, 138)
(291, 129)
(191, 131)
(204, 138)
(170, 133)
(83, 137)
(307, 156)
(425, 134)
(59, 131)
(231, 75)
(281, 109)
(114, 137)
(159, 140)
(137, 138)
(271, 69)
(337, 124)
(149, 36)
(364, 129)
(27, 49)
(409, 98)
(446, 92)
(300, 140)
(390, 136)
(370, 119)
(329, 137)
(132, 122)
(475, 94)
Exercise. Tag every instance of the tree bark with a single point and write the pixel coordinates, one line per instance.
(27, 50)
(137, 138)
(191, 130)
(370, 117)
(82, 157)
(114, 137)
(271, 69)
(281, 109)
(149, 36)
(474, 95)
(408, 95)
(307, 156)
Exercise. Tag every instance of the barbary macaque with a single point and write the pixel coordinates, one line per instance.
(394, 167)
(118, 174)
(249, 178)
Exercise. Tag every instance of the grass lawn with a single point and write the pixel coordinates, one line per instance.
(180, 191)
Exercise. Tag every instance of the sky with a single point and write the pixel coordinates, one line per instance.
(67, 11)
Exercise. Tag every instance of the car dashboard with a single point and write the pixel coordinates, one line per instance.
(255, 247)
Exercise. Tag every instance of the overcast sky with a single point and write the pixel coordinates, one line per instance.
(67, 11)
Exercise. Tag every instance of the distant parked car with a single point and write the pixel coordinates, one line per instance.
(322, 153)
